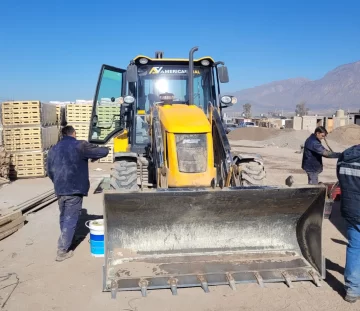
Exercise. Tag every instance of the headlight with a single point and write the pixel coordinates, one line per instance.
(226, 100)
(129, 99)
(233, 100)
(205, 62)
(143, 61)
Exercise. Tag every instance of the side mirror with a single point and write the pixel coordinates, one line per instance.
(131, 73)
(228, 101)
(223, 74)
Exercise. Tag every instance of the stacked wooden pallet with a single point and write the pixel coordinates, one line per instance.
(78, 115)
(30, 129)
(34, 138)
(108, 115)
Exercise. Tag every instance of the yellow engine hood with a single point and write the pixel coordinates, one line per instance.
(184, 119)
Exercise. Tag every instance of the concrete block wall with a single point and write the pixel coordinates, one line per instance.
(309, 123)
(297, 123)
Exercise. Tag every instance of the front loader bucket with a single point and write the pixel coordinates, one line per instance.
(184, 237)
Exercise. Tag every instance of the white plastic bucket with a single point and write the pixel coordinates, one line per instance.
(96, 237)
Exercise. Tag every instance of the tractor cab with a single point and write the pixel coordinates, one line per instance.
(124, 98)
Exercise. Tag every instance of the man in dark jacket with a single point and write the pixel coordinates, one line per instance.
(313, 153)
(67, 167)
(348, 173)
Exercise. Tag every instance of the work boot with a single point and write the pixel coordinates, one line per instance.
(62, 255)
(351, 299)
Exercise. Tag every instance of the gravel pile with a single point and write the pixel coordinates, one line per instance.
(348, 134)
(285, 138)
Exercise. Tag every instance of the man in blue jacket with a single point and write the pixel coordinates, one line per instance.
(348, 173)
(313, 153)
(67, 167)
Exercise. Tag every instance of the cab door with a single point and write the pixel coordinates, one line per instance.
(105, 117)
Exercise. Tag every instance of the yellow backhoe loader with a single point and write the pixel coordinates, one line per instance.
(182, 210)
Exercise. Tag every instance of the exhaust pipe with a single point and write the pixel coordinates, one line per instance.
(159, 54)
(191, 74)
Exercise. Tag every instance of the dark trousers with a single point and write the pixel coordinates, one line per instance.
(313, 178)
(70, 208)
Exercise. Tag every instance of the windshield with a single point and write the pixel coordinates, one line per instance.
(154, 81)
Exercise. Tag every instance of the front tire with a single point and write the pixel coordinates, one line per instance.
(252, 173)
(124, 175)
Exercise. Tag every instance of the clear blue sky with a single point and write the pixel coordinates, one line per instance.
(53, 50)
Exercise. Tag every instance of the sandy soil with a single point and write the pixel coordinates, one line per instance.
(76, 284)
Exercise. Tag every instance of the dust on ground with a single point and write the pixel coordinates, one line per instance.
(76, 284)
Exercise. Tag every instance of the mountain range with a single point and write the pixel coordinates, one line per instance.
(339, 88)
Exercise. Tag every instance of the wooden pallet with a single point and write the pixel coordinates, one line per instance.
(82, 130)
(30, 138)
(24, 172)
(107, 120)
(78, 113)
(106, 113)
(105, 132)
(11, 223)
(105, 109)
(28, 113)
(28, 164)
(13, 218)
(86, 108)
(110, 157)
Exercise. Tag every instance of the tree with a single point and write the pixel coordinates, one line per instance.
(301, 109)
(247, 110)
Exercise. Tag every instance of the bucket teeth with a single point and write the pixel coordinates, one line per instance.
(287, 279)
(143, 287)
(204, 283)
(231, 281)
(173, 285)
(259, 279)
(113, 289)
(315, 278)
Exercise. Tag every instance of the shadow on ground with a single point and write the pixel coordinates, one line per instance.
(337, 220)
(81, 230)
(333, 282)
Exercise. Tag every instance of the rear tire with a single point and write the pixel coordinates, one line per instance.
(124, 175)
(252, 173)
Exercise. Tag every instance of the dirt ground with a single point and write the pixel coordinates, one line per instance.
(76, 284)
